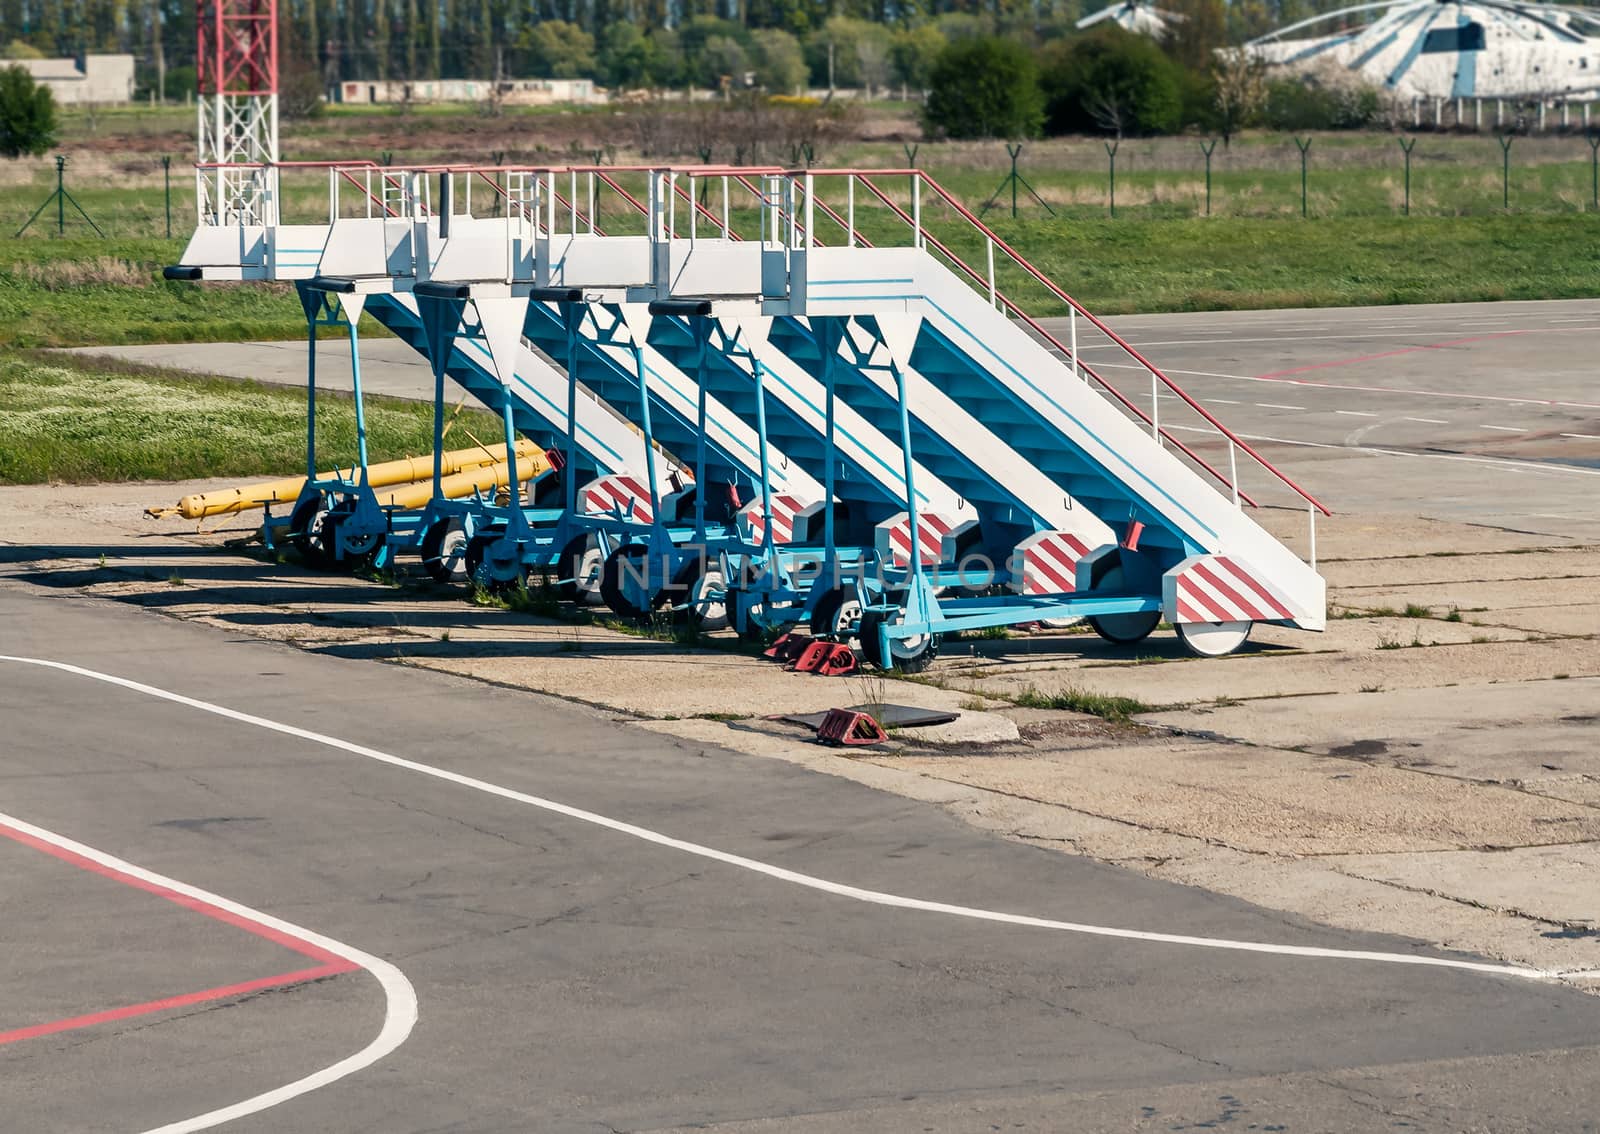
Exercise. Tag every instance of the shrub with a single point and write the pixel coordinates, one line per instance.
(1111, 82)
(27, 114)
(984, 87)
(780, 65)
(915, 53)
(1315, 101)
(556, 49)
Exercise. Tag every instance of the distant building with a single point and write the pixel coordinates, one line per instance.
(1497, 49)
(94, 78)
(513, 92)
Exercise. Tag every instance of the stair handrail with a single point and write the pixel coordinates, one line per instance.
(1055, 289)
(1012, 306)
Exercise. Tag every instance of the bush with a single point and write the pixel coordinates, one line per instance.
(779, 63)
(1111, 82)
(1307, 103)
(630, 59)
(183, 83)
(914, 54)
(556, 49)
(27, 114)
(984, 87)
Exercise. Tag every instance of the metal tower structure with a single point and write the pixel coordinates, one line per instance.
(237, 60)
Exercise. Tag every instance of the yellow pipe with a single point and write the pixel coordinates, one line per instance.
(486, 478)
(202, 505)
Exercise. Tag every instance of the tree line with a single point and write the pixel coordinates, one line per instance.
(776, 45)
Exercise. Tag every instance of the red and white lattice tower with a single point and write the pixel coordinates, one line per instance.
(238, 72)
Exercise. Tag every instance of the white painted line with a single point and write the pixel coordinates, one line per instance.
(1507, 428)
(1417, 330)
(1222, 401)
(1347, 388)
(1582, 436)
(400, 999)
(1426, 420)
(1354, 413)
(1498, 462)
(755, 866)
(1273, 405)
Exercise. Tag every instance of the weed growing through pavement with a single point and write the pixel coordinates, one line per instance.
(1413, 610)
(177, 580)
(1075, 699)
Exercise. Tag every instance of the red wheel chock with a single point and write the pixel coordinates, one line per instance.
(826, 659)
(850, 727)
(788, 646)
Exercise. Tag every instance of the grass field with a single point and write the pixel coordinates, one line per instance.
(73, 293)
(1160, 252)
(80, 421)
(115, 165)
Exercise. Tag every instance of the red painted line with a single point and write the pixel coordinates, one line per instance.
(1257, 586)
(1042, 568)
(1229, 594)
(331, 963)
(249, 925)
(1062, 566)
(1213, 608)
(222, 992)
(1393, 353)
(1187, 613)
(1285, 376)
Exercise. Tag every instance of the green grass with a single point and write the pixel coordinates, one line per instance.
(76, 292)
(1074, 699)
(81, 421)
(80, 292)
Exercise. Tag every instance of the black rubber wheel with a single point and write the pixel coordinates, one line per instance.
(305, 528)
(911, 655)
(477, 574)
(699, 594)
(838, 615)
(571, 569)
(360, 554)
(622, 576)
(1120, 629)
(444, 550)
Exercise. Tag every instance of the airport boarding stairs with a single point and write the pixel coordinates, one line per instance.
(924, 365)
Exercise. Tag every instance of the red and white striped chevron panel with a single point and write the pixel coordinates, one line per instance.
(1046, 563)
(788, 512)
(616, 494)
(936, 541)
(1218, 588)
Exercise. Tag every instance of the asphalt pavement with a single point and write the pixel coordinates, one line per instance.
(570, 974)
(1476, 412)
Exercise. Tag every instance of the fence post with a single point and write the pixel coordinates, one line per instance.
(1111, 158)
(1304, 147)
(1408, 145)
(1505, 169)
(1594, 169)
(166, 171)
(1206, 148)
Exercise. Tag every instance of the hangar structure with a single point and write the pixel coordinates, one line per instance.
(1452, 49)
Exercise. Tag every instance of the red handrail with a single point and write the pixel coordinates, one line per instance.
(1034, 323)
